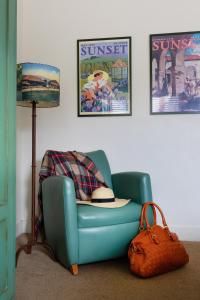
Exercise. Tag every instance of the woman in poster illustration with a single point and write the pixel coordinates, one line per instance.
(97, 92)
(164, 90)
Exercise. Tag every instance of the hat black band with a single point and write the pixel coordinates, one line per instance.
(103, 200)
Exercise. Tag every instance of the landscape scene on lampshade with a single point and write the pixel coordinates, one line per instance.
(37, 82)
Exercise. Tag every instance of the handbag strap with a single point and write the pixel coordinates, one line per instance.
(153, 205)
(142, 219)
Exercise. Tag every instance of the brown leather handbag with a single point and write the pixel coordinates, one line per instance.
(155, 250)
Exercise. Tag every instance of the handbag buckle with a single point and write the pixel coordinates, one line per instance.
(154, 238)
(136, 249)
(141, 228)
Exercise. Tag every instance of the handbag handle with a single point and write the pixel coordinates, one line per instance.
(172, 236)
(142, 219)
(153, 205)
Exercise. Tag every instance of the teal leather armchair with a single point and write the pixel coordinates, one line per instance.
(81, 234)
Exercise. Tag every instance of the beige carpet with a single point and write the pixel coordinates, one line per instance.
(38, 277)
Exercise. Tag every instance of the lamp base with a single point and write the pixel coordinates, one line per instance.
(27, 248)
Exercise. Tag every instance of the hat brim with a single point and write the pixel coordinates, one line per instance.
(117, 203)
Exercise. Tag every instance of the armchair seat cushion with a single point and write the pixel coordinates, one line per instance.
(91, 216)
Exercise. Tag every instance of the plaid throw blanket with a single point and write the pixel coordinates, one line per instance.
(75, 165)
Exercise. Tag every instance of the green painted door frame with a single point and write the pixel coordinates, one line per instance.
(7, 147)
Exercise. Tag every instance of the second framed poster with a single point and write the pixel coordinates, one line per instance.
(104, 77)
(175, 73)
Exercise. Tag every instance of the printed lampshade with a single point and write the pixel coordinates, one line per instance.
(38, 83)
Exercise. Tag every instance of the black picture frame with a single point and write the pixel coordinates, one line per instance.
(104, 77)
(175, 73)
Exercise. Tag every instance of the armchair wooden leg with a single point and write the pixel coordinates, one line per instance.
(74, 269)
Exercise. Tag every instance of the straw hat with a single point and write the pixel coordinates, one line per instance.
(105, 75)
(104, 197)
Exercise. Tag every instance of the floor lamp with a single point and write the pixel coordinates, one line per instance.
(38, 86)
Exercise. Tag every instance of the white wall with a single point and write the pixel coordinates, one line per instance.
(166, 146)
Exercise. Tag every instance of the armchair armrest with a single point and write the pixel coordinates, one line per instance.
(132, 185)
(60, 217)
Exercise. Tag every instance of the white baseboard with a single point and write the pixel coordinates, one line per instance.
(187, 233)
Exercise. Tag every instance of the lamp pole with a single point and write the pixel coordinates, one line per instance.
(32, 240)
(33, 168)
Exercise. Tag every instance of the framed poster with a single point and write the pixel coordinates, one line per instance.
(175, 73)
(104, 77)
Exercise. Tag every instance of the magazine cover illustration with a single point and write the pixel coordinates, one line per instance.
(104, 76)
(175, 73)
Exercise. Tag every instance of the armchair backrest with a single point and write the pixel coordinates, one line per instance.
(102, 164)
